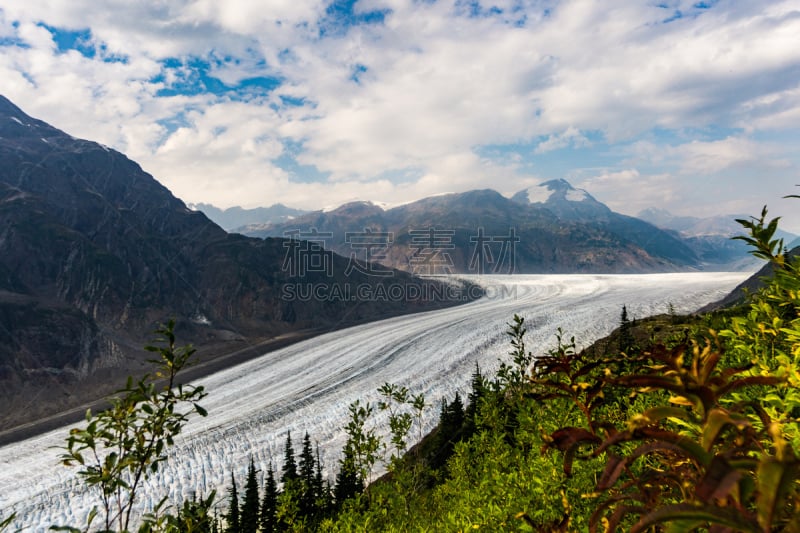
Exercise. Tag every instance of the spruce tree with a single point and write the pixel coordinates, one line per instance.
(249, 514)
(474, 399)
(308, 497)
(215, 523)
(625, 335)
(322, 489)
(450, 430)
(269, 506)
(234, 525)
(442, 413)
(455, 413)
(348, 482)
(455, 418)
(289, 465)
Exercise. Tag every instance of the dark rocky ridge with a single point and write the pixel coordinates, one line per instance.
(94, 253)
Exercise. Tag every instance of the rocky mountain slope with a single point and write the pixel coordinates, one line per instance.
(94, 253)
(577, 205)
(483, 231)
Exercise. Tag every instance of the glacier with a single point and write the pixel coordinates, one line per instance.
(308, 386)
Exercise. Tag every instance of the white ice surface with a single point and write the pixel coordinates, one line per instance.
(309, 385)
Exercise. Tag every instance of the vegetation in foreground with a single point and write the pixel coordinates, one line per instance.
(672, 424)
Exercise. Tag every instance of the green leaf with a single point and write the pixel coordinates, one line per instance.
(774, 479)
(718, 419)
(719, 480)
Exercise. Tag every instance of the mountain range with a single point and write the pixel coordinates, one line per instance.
(95, 253)
(548, 228)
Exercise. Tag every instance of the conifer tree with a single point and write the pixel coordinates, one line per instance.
(625, 335)
(215, 523)
(348, 481)
(234, 524)
(269, 505)
(455, 413)
(308, 497)
(322, 489)
(443, 412)
(474, 399)
(289, 465)
(450, 430)
(249, 513)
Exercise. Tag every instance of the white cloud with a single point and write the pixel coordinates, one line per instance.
(698, 157)
(570, 137)
(435, 85)
(628, 191)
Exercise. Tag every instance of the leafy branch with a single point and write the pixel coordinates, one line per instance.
(122, 446)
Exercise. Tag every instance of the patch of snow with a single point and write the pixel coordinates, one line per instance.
(104, 147)
(330, 208)
(577, 195)
(18, 121)
(201, 319)
(538, 194)
(398, 204)
(44, 140)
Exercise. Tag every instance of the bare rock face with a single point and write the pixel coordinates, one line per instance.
(95, 253)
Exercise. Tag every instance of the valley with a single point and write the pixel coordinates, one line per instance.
(307, 387)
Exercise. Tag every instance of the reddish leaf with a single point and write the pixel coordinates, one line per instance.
(567, 440)
(723, 516)
(720, 478)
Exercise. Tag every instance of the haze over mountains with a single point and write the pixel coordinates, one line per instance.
(95, 253)
(237, 217)
(556, 229)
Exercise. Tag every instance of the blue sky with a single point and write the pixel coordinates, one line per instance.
(689, 106)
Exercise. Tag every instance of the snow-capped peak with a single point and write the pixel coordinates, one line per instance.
(353, 203)
(550, 190)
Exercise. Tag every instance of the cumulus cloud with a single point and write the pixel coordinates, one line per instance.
(629, 191)
(698, 157)
(571, 137)
(415, 89)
